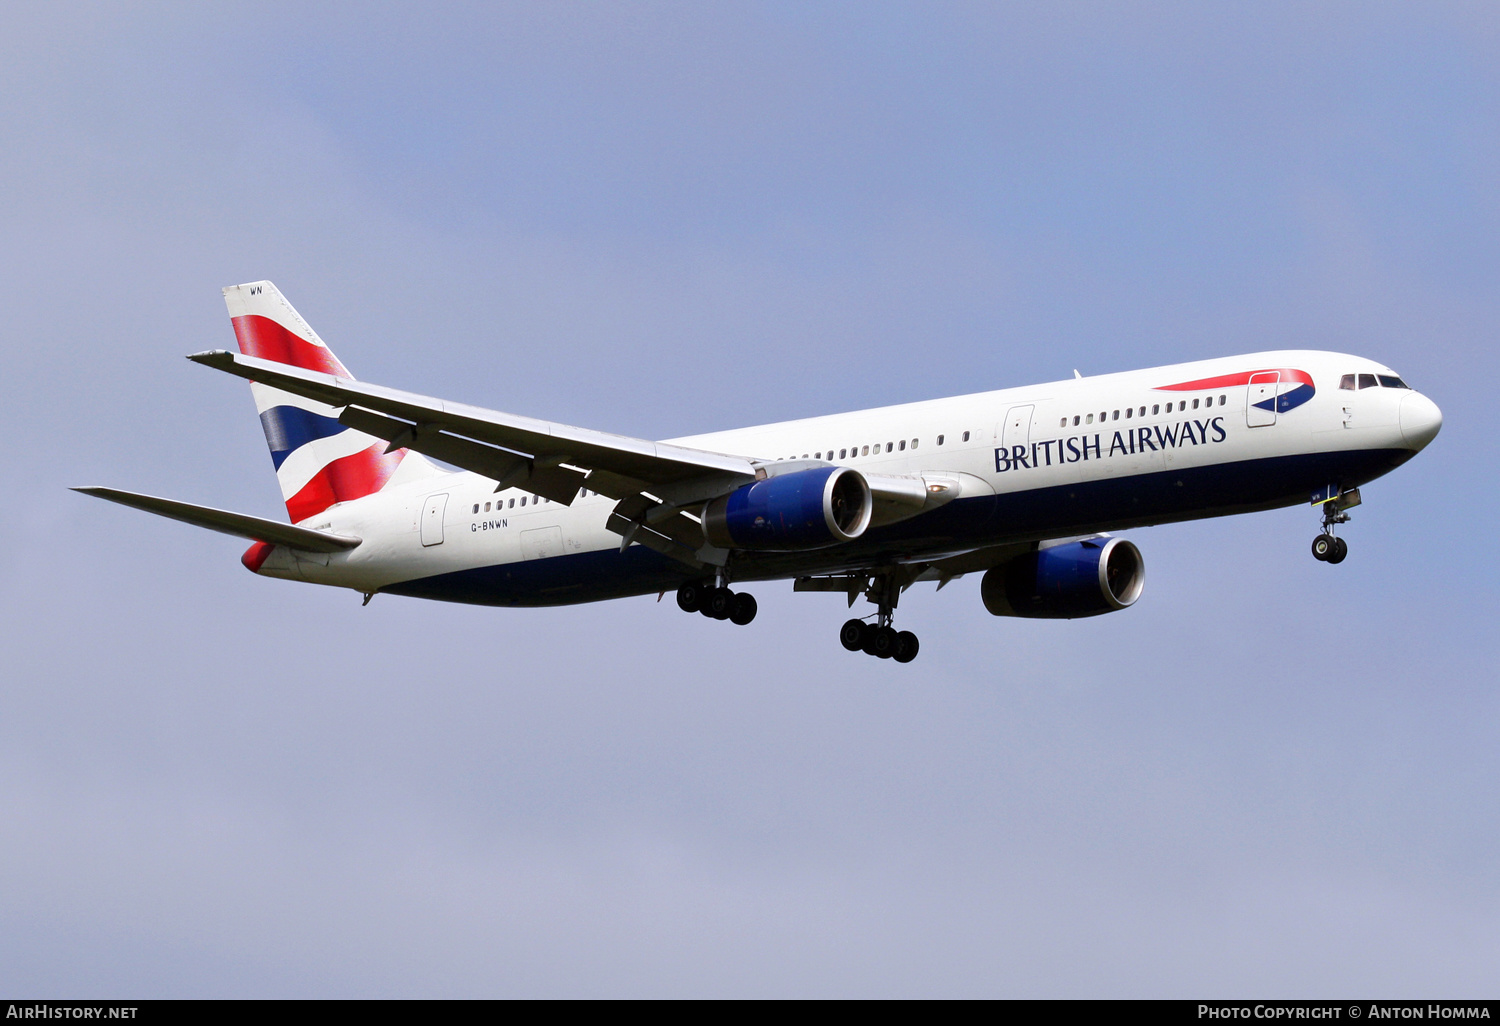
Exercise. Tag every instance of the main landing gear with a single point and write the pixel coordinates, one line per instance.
(1328, 547)
(880, 639)
(716, 603)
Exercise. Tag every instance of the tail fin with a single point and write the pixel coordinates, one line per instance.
(319, 462)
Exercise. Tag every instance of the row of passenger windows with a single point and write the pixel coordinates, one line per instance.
(1355, 381)
(856, 451)
(1132, 411)
(536, 500)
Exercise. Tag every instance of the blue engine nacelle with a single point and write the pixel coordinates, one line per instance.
(1063, 582)
(807, 509)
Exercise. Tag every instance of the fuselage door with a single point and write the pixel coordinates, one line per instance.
(541, 543)
(1260, 404)
(1017, 427)
(433, 509)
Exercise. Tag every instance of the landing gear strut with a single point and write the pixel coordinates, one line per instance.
(1328, 547)
(717, 602)
(880, 639)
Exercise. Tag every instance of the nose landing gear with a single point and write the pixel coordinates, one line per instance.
(1328, 547)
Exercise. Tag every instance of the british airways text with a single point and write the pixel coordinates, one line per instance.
(1128, 443)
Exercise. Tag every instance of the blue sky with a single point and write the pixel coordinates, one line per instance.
(1270, 776)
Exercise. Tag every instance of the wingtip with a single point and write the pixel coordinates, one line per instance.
(212, 357)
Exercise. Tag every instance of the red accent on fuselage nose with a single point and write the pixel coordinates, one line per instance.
(255, 555)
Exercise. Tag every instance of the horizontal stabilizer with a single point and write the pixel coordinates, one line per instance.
(238, 524)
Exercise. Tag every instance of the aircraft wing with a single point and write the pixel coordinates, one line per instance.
(553, 460)
(239, 524)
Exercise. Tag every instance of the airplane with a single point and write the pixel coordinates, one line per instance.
(1022, 485)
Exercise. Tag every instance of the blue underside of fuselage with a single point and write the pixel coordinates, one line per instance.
(1111, 503)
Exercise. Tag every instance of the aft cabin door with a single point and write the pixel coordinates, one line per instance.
(432, 518)
(1260, 405)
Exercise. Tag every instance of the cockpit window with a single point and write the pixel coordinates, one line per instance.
(1391, 381)
(1347, 381)
(1367, 381)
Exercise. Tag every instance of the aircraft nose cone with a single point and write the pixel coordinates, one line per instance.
(1420, 420)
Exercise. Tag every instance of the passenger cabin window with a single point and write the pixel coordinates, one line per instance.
(903, 445)
(966, 436)
(913, 443)
(1155, 410)
(940, 439)
(476, 507)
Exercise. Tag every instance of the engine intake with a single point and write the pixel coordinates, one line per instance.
(1064, 582)
(806, 509)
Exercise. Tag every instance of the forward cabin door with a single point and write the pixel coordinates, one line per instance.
(433, 509)
(1260, 404)
(1017, 427)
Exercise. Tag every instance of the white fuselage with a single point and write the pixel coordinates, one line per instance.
(1112, 443)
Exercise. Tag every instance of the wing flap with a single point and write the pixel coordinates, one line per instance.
(241, 525)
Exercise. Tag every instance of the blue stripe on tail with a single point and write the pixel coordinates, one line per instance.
(289, 428)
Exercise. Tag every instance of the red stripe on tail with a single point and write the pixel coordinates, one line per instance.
(352, 477)
(263, 337)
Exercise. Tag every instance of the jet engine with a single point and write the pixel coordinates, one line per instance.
(1066, 581)
(807, 509)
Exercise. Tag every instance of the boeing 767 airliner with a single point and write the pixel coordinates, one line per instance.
(1019, 484)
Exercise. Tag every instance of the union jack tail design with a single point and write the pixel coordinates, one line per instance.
(319, 462)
